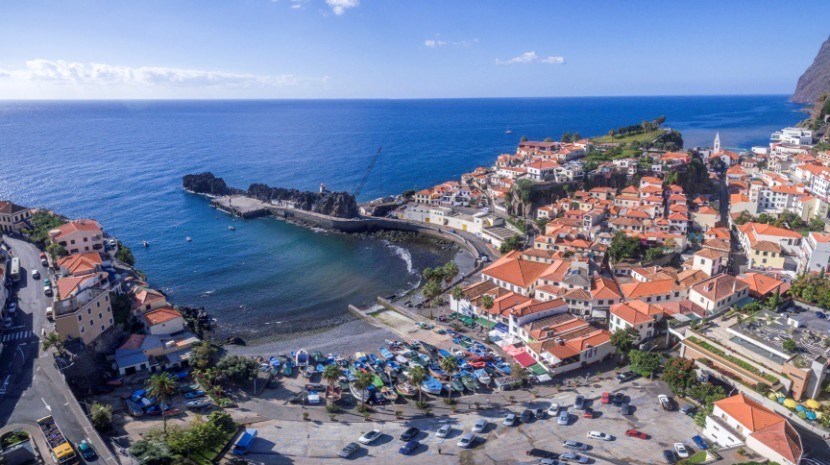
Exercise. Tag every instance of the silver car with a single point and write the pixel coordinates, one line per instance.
(480, 426)
(564, 417)
(467, 440)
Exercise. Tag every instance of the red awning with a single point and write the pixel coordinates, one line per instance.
(524, 359)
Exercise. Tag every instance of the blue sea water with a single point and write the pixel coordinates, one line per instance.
(121, 162)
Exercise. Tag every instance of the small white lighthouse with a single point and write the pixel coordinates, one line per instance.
(716, 147)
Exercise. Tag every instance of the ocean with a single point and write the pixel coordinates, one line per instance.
(121, 162)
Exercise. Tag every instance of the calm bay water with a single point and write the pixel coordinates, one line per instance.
(122, 162)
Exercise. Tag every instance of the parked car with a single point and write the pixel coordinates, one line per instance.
(553, 410)
(480, 426)
(510, 420)
(467, 440)
(618, 399)
(633, 433)
(599, 435)
(576, 445)
(44, 263)
(669, 456)
(589, 413)
(35, 274)
(665, 402)
(409, 447)
(681, 450)
(86, 450)
(700, 442)
(347, 451)
(443, 431)
(689, 410)
(527, 415)
(370, 437)
(627, 376)
(572, 457)
(606, 398)
(410, 433)
(539, 413)
(564, 417)
(550, 461)
(542, 453)
(626, 409)
(579, 403)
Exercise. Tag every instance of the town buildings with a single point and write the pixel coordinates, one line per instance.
(13, 217)
(79, 236)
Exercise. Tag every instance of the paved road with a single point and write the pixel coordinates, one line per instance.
(34, 388)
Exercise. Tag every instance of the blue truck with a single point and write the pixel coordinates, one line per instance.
(244, 442)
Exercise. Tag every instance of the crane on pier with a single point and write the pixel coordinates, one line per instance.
(366, 174)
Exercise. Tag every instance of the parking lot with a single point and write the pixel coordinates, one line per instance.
(283, 442)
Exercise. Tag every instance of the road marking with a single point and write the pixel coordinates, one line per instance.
(47, 405)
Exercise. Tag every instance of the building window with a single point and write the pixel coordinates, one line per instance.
(80, 318)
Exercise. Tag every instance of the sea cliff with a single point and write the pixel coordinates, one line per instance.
(336, 204)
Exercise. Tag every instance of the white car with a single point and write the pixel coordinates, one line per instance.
(443, 431)
(370, 437)
(510, 420)
(467, 440)
(681, 450)
(35, 274)
(553, 410)
(480, 426)
(599, 435)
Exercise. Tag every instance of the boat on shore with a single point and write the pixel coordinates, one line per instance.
(457, 385)
(333, 393)
(309, 371)
(198, 403)
(406, 389)
(301, 358)
(483, 377)
(469, 381)
(361, 396)
(389, 394)
(431, 385)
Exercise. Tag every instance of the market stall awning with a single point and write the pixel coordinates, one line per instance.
(513, 350)
(524, 359)
(485, 322)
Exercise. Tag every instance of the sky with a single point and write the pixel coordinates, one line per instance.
(397, 49)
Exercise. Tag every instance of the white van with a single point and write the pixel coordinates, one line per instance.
(50, 315)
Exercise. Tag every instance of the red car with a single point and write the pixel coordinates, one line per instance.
(633, 433)
(588, 413)
(606, 398)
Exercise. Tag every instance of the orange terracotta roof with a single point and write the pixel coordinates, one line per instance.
(782, 438)
(719, 287)
(769, 230)
(765, 246)
(91, 226)
(638, 289)
(605, 288)
(761, 284)
(161, 315)
(80, 262)
(752, 415)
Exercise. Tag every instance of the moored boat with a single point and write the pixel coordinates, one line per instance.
(361, 396)
(287, 368)
(457, 385)
(406, 389)
(431, 385)
(301, 358)
(469, 381)
(483, 377)
(386, 353)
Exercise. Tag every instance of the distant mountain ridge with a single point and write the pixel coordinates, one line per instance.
(816, 79)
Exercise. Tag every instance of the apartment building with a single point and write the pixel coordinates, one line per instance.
(13, 217)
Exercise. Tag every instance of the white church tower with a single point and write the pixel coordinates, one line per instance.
(716, 147)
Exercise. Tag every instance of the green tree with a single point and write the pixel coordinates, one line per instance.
(457, 294)
(101, 416)
(222, 420)
(409, 193)
(523, 139)
(743, 218)
(53, 340)
(566, 137)
(623, 340)
(519, 371)
(237, 368)
(548, 139)
(431, 290)
(644, 363)
(513, 243)
(789, 345)
(775, 300)
(161, 387)
(449, 365)
(487, 301)
(654, 253)
(201, 355)
(624, 247)
(361, 382)
(416, 377)
(679, 374)
(56, 251)
(43, 222)
(450, 269)
(152, 452)
(125, 254)
(332, 373)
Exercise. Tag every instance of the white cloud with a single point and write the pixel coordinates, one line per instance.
(63, 78)
(340, 6)
(435, 43)
(531, 57)
(297, 4)
(432, 43)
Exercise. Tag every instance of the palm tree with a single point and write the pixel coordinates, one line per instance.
(162, 386)
(362, 381)
(331, 374)
(53, 340)
(416, 377)
(457, 294)
(450, 365)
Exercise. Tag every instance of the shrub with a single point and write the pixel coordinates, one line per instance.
(101, 416)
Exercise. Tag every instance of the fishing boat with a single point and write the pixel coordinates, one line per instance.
(320, 368)
(377, 382)
(386, 353)
(231, 228)
(431, 385)
(482, 377)
(188, 239)
(301, 358)
(389, 394)
(287, 368)
(469, 381)
(402, 359)
(508, 130)
(198, 403)
(437, 371)
(502, 368)
(359, 395)
(443, 353)
(333, 393)
(274, 361)
(145, 243)
(457, 385)
(405, 389)
(309, 371)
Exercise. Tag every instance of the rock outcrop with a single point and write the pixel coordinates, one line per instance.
(208, 184)
(337, 204)
(816, 79)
